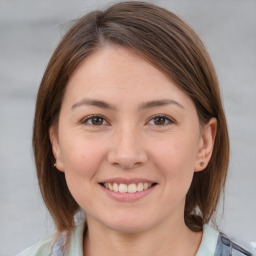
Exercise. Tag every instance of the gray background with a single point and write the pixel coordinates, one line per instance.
(29, 32)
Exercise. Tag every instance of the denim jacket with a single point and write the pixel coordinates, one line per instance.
(225, 247)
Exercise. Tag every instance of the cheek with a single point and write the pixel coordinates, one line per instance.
(178, 152)
(175, 158)
(81, 161)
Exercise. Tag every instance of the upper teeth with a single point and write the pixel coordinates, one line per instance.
(124, 188)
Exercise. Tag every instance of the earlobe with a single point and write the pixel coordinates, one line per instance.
(206, 144)
(56, 149)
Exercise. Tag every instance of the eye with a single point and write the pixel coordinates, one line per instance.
(160, 120)
(95, 120)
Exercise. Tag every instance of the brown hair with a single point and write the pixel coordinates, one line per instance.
(170, 45)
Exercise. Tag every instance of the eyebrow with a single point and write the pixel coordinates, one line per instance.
(93, 102)
(145, 105)
(159, 103)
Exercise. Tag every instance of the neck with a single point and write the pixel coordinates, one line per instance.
(175, 239)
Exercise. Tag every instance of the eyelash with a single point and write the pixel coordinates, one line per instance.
(86, 120)
(166, 118)
(170, 121)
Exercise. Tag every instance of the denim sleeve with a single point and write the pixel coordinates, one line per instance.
(225, 247)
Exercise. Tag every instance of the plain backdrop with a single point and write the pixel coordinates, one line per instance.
(30, 31)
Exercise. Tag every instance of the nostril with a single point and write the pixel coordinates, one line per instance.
(117, 165)
(126, 164)
(126, 161)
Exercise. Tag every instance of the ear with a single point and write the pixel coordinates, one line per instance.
(56, 148)
(206, 144)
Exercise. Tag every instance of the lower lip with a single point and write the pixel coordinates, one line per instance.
(127, 197)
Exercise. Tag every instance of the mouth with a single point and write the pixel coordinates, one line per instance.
(127, 188)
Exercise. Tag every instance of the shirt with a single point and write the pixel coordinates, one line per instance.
(208, 246)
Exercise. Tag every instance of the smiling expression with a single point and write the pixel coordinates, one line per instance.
(128, 141)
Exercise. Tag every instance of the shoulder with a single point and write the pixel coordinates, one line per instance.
(41, 248)
(53, 245)
(228, 246)
(215, 243)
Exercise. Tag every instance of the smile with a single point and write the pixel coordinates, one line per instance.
(127, 188)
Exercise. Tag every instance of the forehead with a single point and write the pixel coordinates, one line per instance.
(116, 73)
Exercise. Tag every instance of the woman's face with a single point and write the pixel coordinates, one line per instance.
(128, 141)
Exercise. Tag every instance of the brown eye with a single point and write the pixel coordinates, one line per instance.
(95, 121)
(160, 121)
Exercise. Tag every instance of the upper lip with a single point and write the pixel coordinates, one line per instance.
(127, 181)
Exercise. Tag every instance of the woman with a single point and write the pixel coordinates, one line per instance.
(129, 128)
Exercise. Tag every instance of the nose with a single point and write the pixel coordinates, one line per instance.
(127, 149)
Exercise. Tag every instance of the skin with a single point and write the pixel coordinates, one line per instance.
(129, 143)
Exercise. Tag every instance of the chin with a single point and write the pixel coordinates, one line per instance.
(131, 229)
(129, 225)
